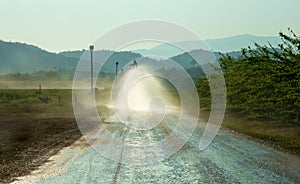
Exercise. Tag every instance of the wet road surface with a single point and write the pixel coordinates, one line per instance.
(229, 159)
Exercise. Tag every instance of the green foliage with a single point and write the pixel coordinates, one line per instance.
(265, 82)
(204, 93)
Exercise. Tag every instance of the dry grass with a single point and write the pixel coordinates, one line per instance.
(283, 136)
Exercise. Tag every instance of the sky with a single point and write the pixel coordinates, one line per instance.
(59, 25)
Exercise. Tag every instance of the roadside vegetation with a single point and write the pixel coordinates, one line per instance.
(263, 90)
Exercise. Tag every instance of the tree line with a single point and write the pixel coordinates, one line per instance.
(264, 83)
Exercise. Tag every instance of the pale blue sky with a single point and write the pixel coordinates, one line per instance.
(57, 25)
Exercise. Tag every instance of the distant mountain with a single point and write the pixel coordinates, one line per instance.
(236, 43)
(109, 57)
(20, 57)
(195, 70)
(187, 61)
(72, 54)
(229, 44)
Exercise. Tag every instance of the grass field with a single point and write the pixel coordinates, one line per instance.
(32, 101)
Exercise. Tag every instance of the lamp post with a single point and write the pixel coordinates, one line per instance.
(117, 63)
(91, 49)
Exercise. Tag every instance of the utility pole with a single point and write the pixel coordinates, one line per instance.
(91, 49)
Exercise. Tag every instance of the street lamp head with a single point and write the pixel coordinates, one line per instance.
(117, 63)
(91, 47)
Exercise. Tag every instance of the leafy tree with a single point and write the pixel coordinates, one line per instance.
(264, 82)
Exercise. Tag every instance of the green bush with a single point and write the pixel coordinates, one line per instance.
(265, 82)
